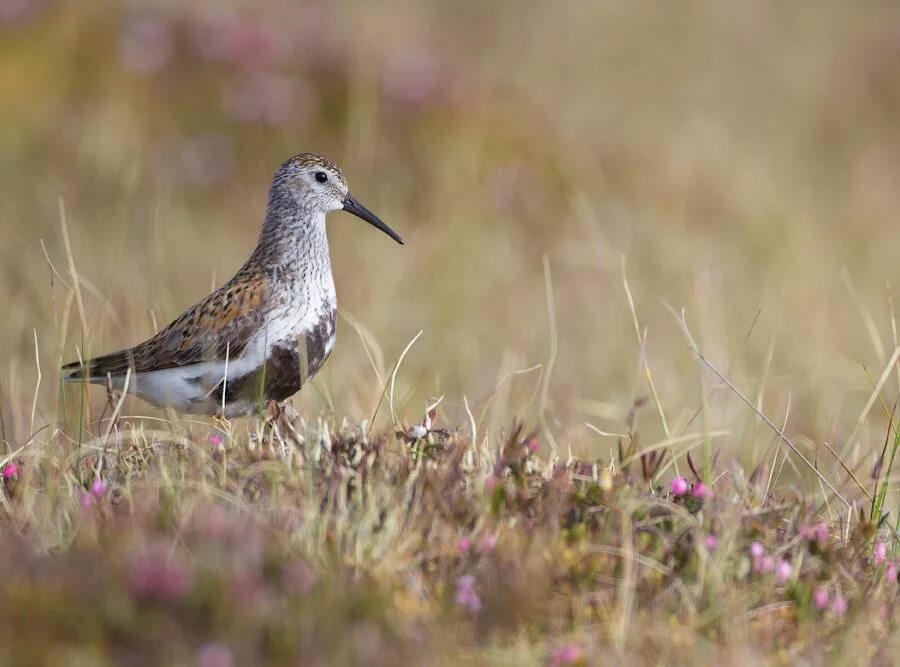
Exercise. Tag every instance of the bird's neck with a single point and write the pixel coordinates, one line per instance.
(293, 247)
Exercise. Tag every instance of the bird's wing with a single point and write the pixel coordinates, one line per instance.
(221, 324)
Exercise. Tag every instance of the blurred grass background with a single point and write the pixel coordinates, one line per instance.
(743, 159)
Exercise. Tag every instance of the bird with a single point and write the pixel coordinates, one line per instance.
(262, 335)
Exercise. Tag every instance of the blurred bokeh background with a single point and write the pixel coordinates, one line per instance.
(741, 161)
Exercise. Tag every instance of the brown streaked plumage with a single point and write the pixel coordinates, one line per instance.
(266, 331)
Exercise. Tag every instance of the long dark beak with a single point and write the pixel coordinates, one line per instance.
(360, 211)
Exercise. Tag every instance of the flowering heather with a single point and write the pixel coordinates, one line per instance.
(466, 596)
(701, 491)
(679, 486)
(783, 571)
(159, 574)
(839, 605)
(569, 654)
(258, 564)
(98, 488)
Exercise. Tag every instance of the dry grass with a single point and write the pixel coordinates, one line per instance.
(567, 180)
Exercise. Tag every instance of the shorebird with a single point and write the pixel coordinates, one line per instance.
(265, 332)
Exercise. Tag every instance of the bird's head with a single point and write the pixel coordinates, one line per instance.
(318, 184)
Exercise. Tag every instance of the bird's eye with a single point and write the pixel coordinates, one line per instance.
(321, 176)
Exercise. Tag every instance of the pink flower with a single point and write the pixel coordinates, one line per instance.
(701, 491)
(489, 543)
(155, 574)
(216, 440)
(567, 655)
(766, 563)
(86, 499)
(821, 533)
(491, 483)
(98, 488)
(466, 596)
(711, 542)
(679, 486)
(839, 605)
(533, 445)
(821, 597)
(757, 550)
(11, 470)
(890, 574)
(783, 571)
(880, 552)
(464, 544)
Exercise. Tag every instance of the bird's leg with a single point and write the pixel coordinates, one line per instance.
(112, 398)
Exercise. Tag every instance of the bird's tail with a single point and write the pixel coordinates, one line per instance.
(94, 370)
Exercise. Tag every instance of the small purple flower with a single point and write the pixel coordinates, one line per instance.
(98, 488)
(679, 486)
(533, 445)
(783, 571)
(890, 573)
(821, 533)
(85, 499)
(155, 574)
(464, 544)
(466, 596)
(880, 551)
(701, 491)
(766, 563)
(711, 542)
(566, 655)
(757, 550)
(821, 597)
(10, 471)
(489, 543)
(218, 445)
(839, 606)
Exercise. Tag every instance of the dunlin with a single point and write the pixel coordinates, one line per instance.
(263, 334)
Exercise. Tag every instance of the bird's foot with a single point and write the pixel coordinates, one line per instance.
(222, 423)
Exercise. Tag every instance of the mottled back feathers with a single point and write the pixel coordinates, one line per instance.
(219, 325)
